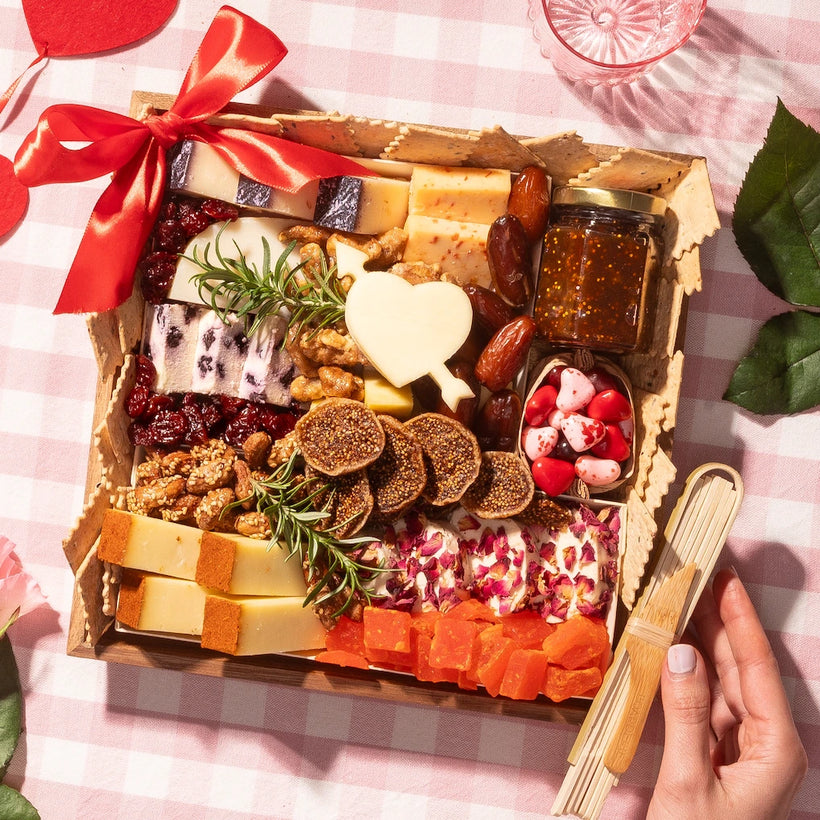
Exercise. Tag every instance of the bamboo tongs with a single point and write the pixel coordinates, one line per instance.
(609, 736)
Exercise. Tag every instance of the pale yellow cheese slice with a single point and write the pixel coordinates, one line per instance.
(382, 397)
(460, 248)
(157, 603)
(257, 626)
(459, 194)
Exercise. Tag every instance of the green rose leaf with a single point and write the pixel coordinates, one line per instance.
(13, 806)
(11, 705)
(777, 212)
(781, 374)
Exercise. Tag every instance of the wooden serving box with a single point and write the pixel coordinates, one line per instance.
(655, 376)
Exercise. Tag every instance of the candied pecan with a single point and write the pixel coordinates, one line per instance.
(282, 449)
(210, 475)
(253, 524)
(304, 388)
(214, 448)
(148, 471)
(158, 493)
(416, 272)
(341, 383)
(256, 448)
(181, 510)
(209, 512)
(242, 485)
(177, 463)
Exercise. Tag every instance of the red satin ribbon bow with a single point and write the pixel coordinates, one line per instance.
(235, 53)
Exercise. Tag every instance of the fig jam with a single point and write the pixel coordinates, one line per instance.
(601, 257)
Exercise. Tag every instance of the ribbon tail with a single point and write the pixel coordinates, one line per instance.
(102, 273)
(9, 92)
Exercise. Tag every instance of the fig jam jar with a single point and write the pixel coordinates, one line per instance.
(601, 257)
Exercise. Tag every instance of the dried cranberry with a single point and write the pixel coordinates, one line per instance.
(195, 432)
(211, 413)
(231, 406)
(187, 207)
(138, 434)
(158, 403)
(217, 209)
(137, 401)
(171, 236)
(242, 425)
(167, 427)
(194, 223)
(158, 273)
(146, 372)
(168, 210)
(276, 423)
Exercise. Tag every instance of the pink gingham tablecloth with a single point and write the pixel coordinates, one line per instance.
(108, 741)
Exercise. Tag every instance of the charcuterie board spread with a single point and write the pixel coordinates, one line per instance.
(410, 423)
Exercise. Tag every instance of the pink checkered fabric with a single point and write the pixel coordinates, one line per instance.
(120, 742)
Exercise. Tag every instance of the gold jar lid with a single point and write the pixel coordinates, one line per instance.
(610, 198)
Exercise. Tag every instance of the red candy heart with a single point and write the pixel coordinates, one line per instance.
(610, 405)
(613, 446)
(601, 379)
(13, 196)
(552, 475)
(69, 27)
(540, 405)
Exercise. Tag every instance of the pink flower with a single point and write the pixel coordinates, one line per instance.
(19, 592)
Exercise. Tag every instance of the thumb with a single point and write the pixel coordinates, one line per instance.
(686, 707)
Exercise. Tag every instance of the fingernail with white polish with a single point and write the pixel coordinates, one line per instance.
(681, 659)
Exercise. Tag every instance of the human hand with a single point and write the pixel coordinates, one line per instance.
(731, 748)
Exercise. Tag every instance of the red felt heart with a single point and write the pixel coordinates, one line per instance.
(68, 27)
(13, 196)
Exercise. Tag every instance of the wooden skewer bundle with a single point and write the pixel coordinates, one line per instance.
(693, 540)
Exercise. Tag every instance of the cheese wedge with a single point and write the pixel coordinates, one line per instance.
(157, 603)
(460, 248)
(459, 194)
(382, 397)
(257, 626)
(198, 169)
(222, 561)
(366, 205)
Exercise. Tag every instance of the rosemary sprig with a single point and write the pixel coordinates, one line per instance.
(289, 506)
(233, 284)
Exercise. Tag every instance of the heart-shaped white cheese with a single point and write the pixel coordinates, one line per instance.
(408, 331)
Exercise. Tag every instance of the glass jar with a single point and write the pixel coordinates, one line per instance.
(601, 257)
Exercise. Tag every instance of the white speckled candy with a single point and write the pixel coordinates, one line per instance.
(576, 391)
(582, 432)
(597, 472)
(555, 418)
(538, 441)
(627, 427)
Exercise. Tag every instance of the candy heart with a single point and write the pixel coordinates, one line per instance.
(13, 196)
(540, 405)
(576, 390)
(555, 418)
(613, 446)
(582, 432)
(554, 375)
(408, 331)
(610, 405)
(601, 379)
(71, 27)
(538, 441)
(627, 427)
(597, 472)
(553, 476)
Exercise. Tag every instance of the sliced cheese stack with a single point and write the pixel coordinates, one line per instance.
(237, 594)
(449, 216)
(198, 169)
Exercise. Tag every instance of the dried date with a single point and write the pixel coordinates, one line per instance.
(508, 253)
(506, 353)
(530, 201)
(496, 426)
(490, 311)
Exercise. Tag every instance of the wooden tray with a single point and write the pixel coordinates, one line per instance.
(655, 377)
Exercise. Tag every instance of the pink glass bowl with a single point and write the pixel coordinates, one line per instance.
(608, 42)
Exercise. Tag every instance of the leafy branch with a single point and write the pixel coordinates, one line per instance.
(233, 284)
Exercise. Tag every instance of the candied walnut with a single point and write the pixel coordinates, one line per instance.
(177, 463)
(253, 524)
(161, 492)
(393, 242)
(303, 364)
(256, 448)
(182, 509)
(416, 273)
(328, 346)
(211, 514)
(148, 471)
(210, 475)
(312, 255)
(341, 383)
(306, 388)
(282, 449)
(303, 234)
(366, 244)
(242, 485)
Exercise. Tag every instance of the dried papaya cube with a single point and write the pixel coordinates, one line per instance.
(386, 629)
(577, 643)
(560, 683)
(341, 657)
(524, 675)
(421, 662)
(472, 610)
(347, 635)
(493, 665)
(425, 622)
(452, 646)
(527, 628)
